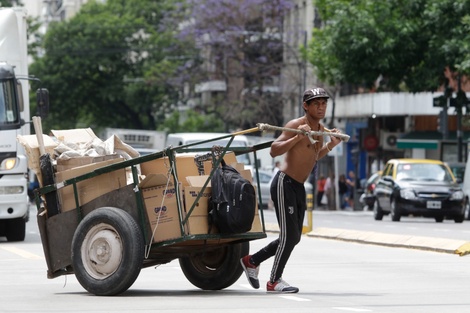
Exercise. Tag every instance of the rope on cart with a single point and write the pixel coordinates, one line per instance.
(171, 169)
(327, 132)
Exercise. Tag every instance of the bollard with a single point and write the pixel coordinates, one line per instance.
(309, 227)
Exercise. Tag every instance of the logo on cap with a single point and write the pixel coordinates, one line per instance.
(317, 91)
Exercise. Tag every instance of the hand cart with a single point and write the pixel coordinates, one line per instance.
(108, 240)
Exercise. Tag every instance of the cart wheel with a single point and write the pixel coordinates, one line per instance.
(215, 269)
(107, 251)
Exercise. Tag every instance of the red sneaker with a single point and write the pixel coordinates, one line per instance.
(281, 286)
(251, 271)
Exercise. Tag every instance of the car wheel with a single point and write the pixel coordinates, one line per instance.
(439, 219)
(467, 209)
(107, 251)
(378, 213)
(394, 211)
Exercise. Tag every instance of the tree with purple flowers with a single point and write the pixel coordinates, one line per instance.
(241, 47)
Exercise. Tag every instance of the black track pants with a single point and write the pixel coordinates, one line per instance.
(288, 196)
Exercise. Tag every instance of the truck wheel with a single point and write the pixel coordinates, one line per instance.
(215, 269)
(107, 251)
(16, 229)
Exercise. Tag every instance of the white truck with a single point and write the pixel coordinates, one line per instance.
(14, 121)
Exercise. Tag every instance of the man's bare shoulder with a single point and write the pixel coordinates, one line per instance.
(294, 123)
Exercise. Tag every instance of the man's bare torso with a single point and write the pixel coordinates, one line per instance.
(301, 158)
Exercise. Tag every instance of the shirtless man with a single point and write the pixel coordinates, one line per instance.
(287, 189)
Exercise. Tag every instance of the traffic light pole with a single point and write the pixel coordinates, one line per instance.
(460, 103)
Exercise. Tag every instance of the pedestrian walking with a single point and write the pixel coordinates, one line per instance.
(343, 192)
(330, 192)
(320, 189)
(353, 184)
(287, 189)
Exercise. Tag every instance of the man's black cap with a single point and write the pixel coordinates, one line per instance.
(315, 93)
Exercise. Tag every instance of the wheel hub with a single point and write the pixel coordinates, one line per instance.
(102, 251)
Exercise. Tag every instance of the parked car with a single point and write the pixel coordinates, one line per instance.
(368, 198)
(418, 187)
(265, 178)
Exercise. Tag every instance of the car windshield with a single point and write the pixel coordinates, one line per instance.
(423, 172)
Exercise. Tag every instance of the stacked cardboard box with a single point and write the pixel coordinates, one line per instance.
(67, 168)
(163, 207)
(91, 188)
(31, 146)
(159, 194)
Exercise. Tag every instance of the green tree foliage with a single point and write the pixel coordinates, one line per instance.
(193, 122)
(10, 3)
(404, 45)
(109, 66)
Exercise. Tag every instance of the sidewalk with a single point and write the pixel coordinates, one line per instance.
(460, 247)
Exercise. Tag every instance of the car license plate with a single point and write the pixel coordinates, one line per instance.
(433, 204)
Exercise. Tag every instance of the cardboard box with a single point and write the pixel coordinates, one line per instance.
(31, 146)
(185, 166)
(79, 135)
(66, 164)
(91, 188)
(161, 204)
(198, 221)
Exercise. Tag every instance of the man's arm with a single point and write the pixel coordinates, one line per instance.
(287, 139)
(334, 141)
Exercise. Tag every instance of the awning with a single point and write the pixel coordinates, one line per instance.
(426, 139)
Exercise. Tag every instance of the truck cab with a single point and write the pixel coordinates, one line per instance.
(14, 121)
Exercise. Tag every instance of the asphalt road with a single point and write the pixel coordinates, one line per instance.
(410, 232)
(333, 276)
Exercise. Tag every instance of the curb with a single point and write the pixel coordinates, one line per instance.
(451, 246)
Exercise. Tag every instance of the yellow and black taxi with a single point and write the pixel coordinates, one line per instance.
(418, 187)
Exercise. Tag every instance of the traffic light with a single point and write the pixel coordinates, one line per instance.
(442, 125)
(440, 101)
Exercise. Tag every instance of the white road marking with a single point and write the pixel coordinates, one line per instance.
(22, 253)
(246, 286)
(441, 230)
(351, 309)
(295, 298)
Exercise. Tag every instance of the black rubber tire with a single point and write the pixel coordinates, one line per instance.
(378, 213)
(16, 229)
(215, 269)
(467, 209)
(394, 211)
(439, 219)
(107, 251)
